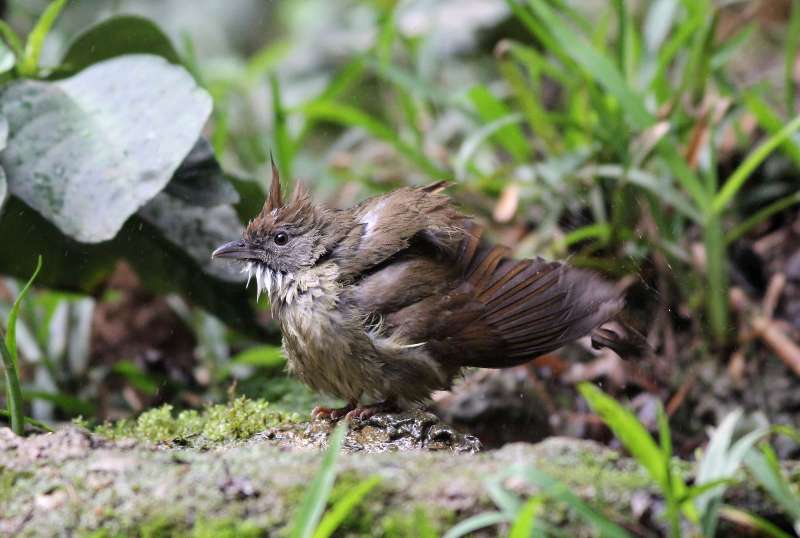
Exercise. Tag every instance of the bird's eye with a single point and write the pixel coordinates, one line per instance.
(281, 238)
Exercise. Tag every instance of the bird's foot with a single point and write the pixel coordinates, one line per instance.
(331, 413)
(363, 412)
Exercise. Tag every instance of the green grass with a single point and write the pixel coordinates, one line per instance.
(8, 350)
(630, 110)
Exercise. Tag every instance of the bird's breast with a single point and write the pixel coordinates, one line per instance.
(325, 346)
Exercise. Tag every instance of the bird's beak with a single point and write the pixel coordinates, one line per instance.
(238, 250)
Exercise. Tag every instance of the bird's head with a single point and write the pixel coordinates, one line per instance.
(283, 240)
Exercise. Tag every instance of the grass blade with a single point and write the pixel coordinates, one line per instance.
(761, 215)
(790, 57)
(283, 141)
(339, 512)
(509, 136)
(757, 523)
(353, 117)
(764, 466)
(33, 47)
(313, 505)
(29, 420)
(11, 337)
(526, 518)
(560, 492)
(13, 390)
(746, 169)
(629, 431)
(474, 523)
(476, 139)
(771, 122)
(598, 65)
(8, 350)
(423, 525)
(12, 39)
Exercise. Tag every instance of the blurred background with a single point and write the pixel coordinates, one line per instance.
(652, 141)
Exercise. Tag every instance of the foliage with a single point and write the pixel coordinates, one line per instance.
(8, 350)
(103, 159)
(718, 467)
(238, 420)
(311, 520)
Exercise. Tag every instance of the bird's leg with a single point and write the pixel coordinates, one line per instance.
(365, 411)
(333, 413)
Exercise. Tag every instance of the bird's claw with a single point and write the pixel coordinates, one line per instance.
(364, 412)
(331, 413)
(352, 411)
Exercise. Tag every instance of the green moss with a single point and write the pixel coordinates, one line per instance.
(8, 480)
(419, 523)
(240, 419)
(226, 528)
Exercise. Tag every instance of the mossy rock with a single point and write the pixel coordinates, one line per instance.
(73, 482)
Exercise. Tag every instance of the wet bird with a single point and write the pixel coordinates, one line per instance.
(384, 303)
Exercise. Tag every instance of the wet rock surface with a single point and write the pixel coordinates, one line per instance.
(72, 482)
(384, 432)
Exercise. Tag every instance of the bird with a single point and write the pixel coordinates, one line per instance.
(388, 301)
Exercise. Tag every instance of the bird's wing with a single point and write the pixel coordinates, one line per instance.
(388, 226)
(502, 311)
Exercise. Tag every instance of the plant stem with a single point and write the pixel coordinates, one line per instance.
(717, 278)
(13, 390)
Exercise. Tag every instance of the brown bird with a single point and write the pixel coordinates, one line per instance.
(386, 302)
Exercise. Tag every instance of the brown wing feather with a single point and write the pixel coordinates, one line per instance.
(505, 312)
(386, 226)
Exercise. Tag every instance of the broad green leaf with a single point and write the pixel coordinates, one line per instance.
(197, 231)
(29, 64)
(200, 180)
(88, 151)
(310, 510)
(260, 356)
(117, 36)
(162, 266)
